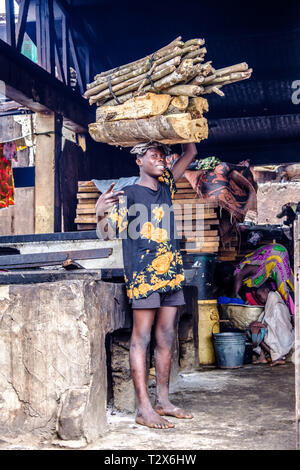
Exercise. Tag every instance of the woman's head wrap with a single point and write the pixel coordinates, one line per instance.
(141, 149)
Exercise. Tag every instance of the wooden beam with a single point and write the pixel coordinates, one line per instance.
(10, 22)
(40, 13)
(65, 49)
(58, 123)
(53, 258)
(33, 87)
(58, 63)
(47, 187)
(21, 26)
(74, 54)
(50, 38)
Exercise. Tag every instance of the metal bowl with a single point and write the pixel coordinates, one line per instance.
(240, 316)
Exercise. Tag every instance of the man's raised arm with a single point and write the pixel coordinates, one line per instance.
(189, 151)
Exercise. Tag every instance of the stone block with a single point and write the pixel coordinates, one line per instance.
(53, 358)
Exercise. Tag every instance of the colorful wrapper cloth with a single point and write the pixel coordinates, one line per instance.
(7, 189)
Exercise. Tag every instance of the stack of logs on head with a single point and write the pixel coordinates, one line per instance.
(159, 97)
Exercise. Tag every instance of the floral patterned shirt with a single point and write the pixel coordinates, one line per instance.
(144, 220)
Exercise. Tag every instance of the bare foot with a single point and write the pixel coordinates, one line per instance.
(152, 419)
(169, 409)
(260, 361)
(278, 363)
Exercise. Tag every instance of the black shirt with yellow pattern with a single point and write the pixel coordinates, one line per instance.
(151, 253)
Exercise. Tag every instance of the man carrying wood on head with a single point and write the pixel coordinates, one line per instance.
(153, 269)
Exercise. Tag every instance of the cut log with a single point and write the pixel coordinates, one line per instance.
(135, 75)
(172, 128)
(199, 130)
(196, 53)
(193, 42)
(184, 90)
(197, 106)
(232, 77)
(242, 67)
(133, 84)
(176, 44)
(177, 105)
(179, 75)
(213, 89)
(135, 108)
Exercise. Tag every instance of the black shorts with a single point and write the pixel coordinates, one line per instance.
(160, 299)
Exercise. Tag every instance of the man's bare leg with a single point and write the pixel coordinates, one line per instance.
(164, 336)
(262, 359)
(142, 323)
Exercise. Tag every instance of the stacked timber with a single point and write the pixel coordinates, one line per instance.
(194, 237)
(229, 252)
(158, 97)
(196, 220)
(87, 197)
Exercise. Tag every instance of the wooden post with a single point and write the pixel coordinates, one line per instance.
(10, 23)
(47, 174)
(297, 324)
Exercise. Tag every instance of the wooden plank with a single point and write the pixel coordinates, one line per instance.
(86, 226)
(90, 202)
(193, 209)
(74, 54)
(86, 219)
(89, 206)
(187, 195)
(21, 26)
(86, 183)
(51, 258)
(201, 239)
(65, 48)
(199, 250)
(50, 38)
(88, 189)
(46, 275)
(193, 201)
(10, 22)
(203, 233)
(191, 217)
(85, 210)
(87, 195)
(184, 185)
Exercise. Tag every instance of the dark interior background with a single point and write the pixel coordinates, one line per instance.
(257, 118)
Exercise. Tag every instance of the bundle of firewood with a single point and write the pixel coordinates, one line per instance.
(158, 97)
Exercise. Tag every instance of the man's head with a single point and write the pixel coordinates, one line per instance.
(151, 158)
(263, 291)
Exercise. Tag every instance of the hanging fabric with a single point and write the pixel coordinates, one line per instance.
(7, 189)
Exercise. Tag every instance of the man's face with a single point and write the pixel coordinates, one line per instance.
(262, 295)
(153, 162)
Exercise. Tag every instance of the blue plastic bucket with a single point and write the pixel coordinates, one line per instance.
(230, 349)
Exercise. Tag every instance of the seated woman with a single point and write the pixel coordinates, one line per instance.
(267, 262)
(279, 337)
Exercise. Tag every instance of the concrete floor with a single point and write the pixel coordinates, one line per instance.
(248, 408)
